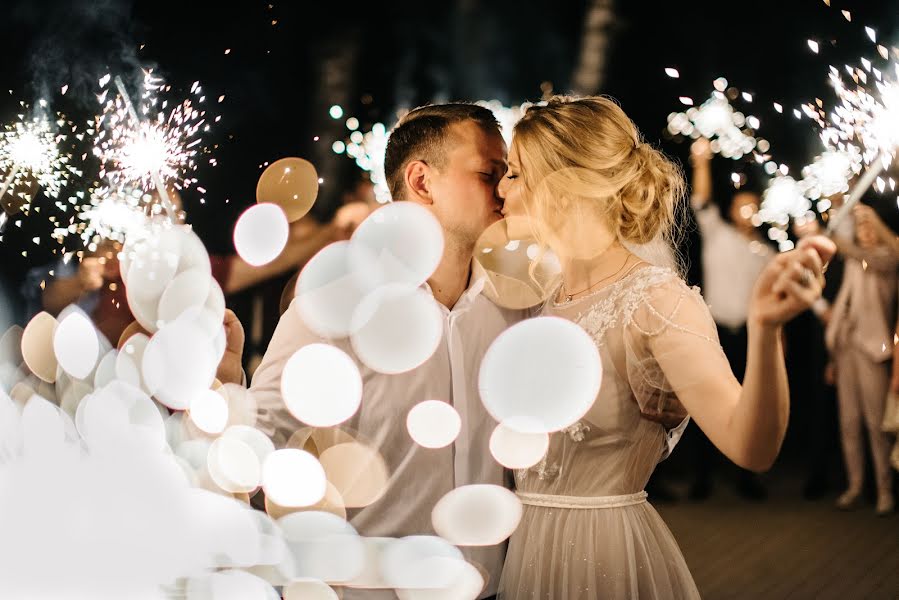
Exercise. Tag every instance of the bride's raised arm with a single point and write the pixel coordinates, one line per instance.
(673, 338)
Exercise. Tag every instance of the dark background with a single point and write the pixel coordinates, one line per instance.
(375, 57)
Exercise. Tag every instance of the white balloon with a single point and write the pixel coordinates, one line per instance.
(215, 302)
(153, 264)
(73, 395)
(233, 465)
(321, 385)
(293, 478)
(261, 233)
(230, 585)
(400, 242)
(106, 369)
(37, 346)
(145, 310)
(120, 414)
(421, 562)
(467, 586)
(193, 251)
(371, 576)
(396, 328)
(76, 345)
(515, 449)
(544, 373)
(179, 363)
(324, 546)
(309, 589)
(130, 359)
(188, 289)
(433, 424)
(209, 412)
(44, 429)
(358, 473)
(260, 443)
(477, 515)
(226, 530)
(328, 291)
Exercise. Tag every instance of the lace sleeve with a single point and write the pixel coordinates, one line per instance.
(672, 348)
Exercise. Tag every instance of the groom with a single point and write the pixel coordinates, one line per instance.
(449, 159)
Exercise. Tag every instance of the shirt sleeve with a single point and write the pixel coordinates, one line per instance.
(221, 268)
(709, 219)
(273, 418)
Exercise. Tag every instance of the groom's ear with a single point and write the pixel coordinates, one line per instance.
(417, 178)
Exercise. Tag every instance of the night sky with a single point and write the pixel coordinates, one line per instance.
(374, 57)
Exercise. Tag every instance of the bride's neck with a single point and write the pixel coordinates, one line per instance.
(604, 268)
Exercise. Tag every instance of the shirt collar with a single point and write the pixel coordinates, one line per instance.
(475, 287)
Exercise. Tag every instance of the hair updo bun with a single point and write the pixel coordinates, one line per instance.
(587, 152)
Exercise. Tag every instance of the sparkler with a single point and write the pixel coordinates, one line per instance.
(147, 154)
(867, 119)
(143, 146)
(730, 132)
(30, 149)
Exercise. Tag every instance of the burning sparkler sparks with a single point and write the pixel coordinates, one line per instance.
(149, 145)
(30, 150)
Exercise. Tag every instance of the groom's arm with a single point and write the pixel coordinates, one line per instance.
(272, 416)
(291, 334)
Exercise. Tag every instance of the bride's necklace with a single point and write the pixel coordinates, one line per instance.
(568, 297)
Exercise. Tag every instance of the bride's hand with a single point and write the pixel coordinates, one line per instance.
(791, 282)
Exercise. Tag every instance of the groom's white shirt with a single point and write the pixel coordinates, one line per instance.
(419, 476)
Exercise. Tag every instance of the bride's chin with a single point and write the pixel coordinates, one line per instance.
(516, 229)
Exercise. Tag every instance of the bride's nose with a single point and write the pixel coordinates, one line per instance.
(501, 189)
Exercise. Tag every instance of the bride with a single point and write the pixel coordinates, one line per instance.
(602, 199)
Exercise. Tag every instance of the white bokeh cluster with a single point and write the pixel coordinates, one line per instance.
(368, 149)
(831, 172)
(113, 215)
(507, 116)
(731, 132)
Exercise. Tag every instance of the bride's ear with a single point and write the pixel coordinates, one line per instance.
(417, 178)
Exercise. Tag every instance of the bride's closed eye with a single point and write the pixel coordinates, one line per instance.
(511, 176)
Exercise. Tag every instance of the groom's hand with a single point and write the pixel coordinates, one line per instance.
(230, 369)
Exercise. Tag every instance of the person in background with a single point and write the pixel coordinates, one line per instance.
(356, 203)
(92, 279)
(733, 257)
(860, 339)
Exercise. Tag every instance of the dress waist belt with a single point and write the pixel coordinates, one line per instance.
(581, 502)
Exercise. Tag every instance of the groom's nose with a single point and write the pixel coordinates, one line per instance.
(498, 192)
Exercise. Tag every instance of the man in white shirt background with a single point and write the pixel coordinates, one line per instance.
(733, 256)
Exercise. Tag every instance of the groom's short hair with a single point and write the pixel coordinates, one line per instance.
(422, 134)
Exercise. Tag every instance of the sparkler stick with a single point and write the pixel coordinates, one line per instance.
(860, 188)
(157, 180)
(4, 216)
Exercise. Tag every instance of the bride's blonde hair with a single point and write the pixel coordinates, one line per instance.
(583, 157)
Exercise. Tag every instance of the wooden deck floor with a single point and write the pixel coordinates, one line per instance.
(786, 547)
